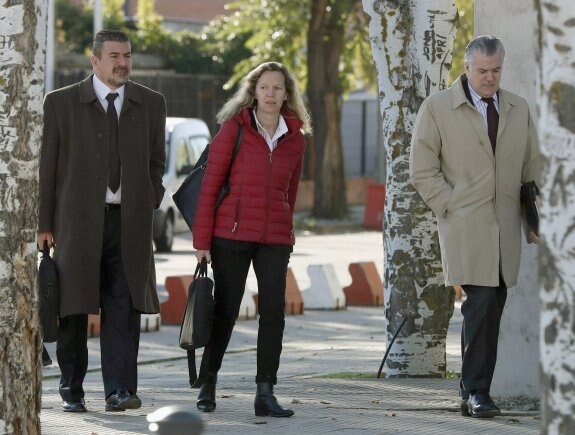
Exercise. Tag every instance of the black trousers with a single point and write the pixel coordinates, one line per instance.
(231, 262)
(119, 327)
(482, 312)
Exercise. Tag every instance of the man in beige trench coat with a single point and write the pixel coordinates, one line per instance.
(472, 146)
(100, 219)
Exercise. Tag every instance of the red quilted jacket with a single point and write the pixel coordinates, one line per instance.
(263, 185)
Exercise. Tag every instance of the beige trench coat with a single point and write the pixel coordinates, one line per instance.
(474, 194)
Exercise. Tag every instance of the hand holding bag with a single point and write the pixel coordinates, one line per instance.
(529, 209)
(186, 197)
(197, 322)
(48, 295)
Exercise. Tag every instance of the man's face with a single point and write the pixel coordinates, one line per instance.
(114, 66)
(484, 73)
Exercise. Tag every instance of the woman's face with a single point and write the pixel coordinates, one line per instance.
(270, 92)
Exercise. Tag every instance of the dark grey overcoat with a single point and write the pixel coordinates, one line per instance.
(73, 182)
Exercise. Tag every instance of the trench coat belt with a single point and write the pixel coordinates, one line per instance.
(110, 207)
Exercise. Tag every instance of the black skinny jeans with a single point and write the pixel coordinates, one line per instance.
(231, 262)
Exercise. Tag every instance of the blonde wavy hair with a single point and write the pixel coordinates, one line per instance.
(245, 96)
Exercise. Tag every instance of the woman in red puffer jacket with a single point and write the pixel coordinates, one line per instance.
(254, 223)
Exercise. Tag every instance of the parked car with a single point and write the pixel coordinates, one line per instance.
(186, 138)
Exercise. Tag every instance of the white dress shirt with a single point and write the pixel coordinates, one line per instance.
(101, 92)
(272, 141)
(481, 105)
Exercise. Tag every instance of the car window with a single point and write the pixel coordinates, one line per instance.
(182, 156)
(196, 147)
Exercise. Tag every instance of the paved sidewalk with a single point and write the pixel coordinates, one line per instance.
(327, 374)
(327, 377)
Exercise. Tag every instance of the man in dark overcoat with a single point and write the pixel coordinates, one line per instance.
(101, 167)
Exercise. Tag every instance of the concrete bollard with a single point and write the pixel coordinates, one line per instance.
(325, 291)
(175, 420)
(172, 311)
(248, 308)
(93, 325)
(293, 299)
(150, 322)
(366, 286)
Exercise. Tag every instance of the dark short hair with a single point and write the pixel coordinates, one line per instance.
(486, 44)
(107, 35)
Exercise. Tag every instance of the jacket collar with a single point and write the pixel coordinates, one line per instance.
(460, 92)
(293, 123)
(460, 95)
(132, 94)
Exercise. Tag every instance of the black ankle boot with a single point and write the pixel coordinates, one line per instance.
(267, 404)
(207, 397)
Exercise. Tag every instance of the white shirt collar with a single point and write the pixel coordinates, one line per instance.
(102, 90)
(280, 131)
(477, 98)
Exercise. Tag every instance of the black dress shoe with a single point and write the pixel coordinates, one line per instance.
(266, 403)
(79, 406)
(121, 400)
(207, 397)
(480, 405)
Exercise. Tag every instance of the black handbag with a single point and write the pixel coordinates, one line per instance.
(197, 322)
(186, 197)
(48, 295)
(529, 209)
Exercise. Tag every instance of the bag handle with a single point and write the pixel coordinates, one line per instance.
(201, 269)
(45, 249)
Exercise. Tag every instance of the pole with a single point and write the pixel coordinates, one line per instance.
(98, 16)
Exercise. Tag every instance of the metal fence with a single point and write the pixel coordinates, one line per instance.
(187, 95)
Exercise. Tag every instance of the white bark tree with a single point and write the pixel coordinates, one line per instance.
(22, 55)
(557, 255)
(412, 43)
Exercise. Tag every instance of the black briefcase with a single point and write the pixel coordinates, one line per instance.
(197, 322)
(48, 295)
(529, 208)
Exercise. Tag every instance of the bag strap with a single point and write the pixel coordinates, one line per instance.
(236, 150)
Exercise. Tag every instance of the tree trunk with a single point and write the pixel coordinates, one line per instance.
(557, 254)
(411, 43)
(22, 56)
(325, 44)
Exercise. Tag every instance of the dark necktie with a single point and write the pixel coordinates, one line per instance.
(114, 167)
(492, 121)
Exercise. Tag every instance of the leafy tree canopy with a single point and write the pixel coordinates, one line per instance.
(463, 36)
(281, 35)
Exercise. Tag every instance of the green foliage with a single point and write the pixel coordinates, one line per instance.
(113, 12)
(74, 26)
(281, 35)
(231, 45)
(462, 38)
(75, 23)
(149, 35)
